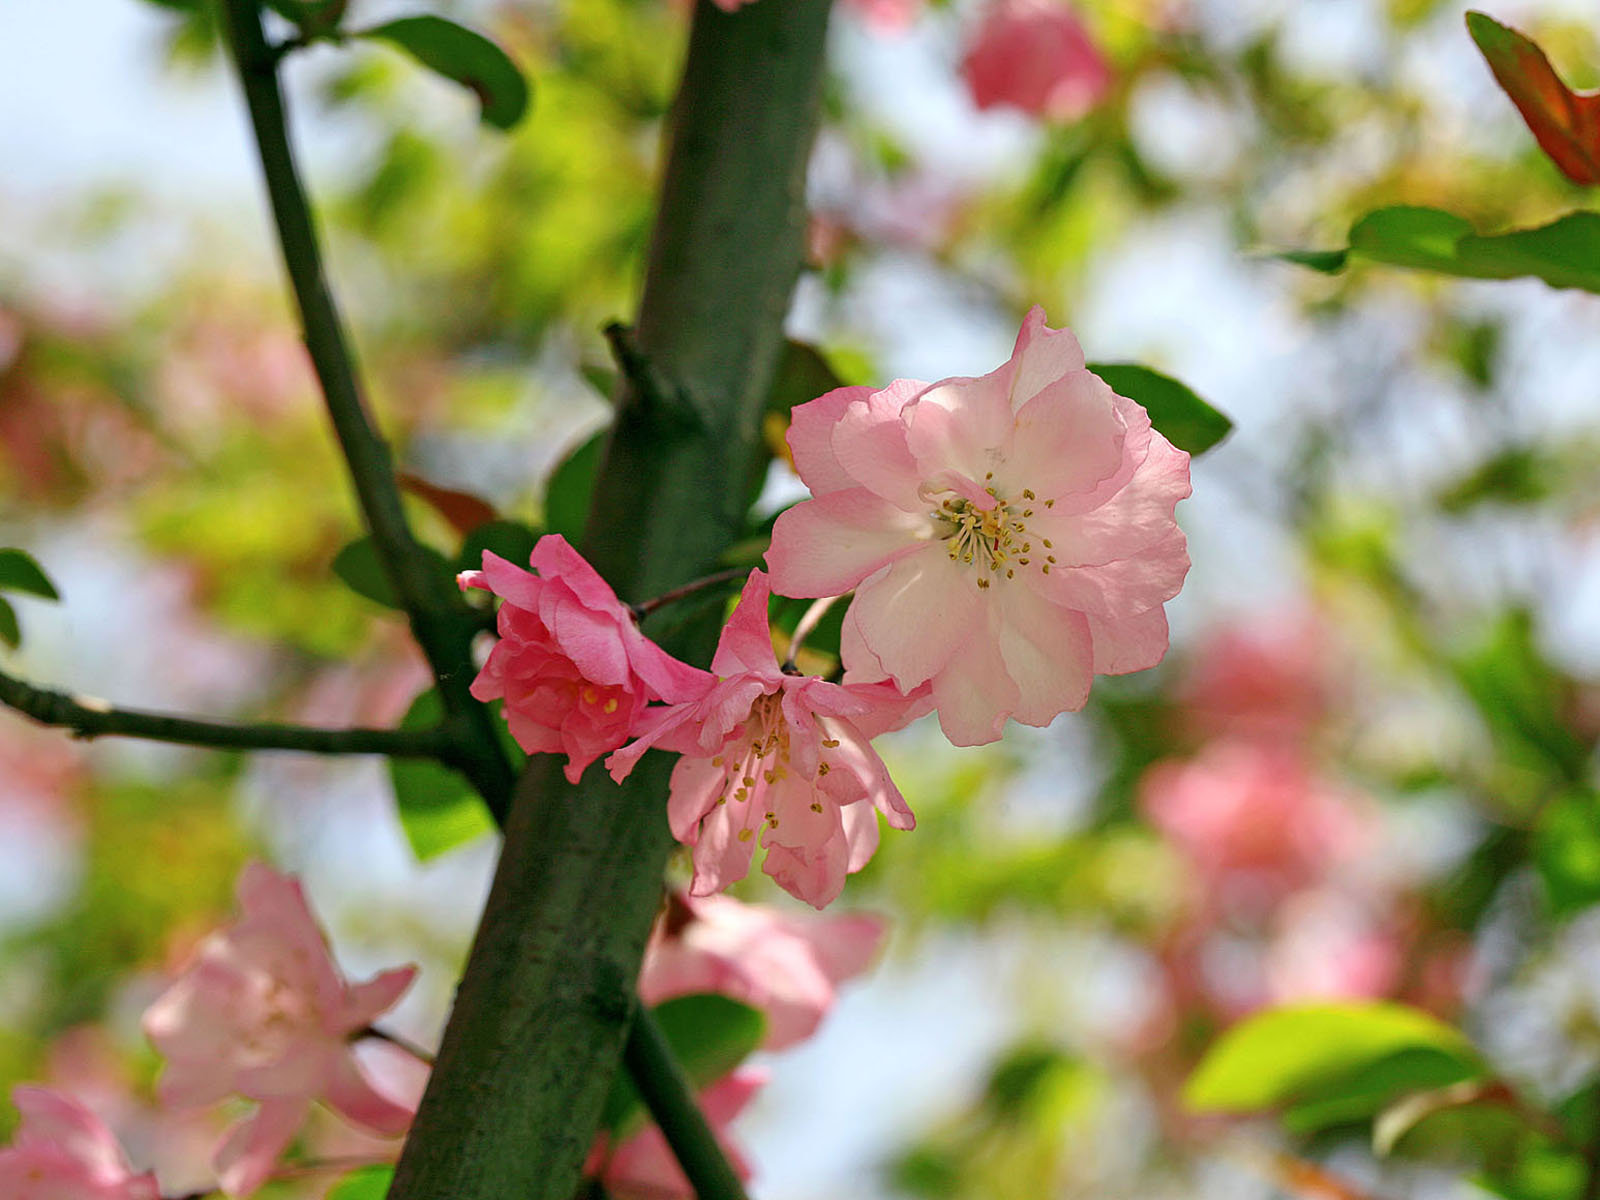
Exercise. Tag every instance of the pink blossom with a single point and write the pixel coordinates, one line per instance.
(644, 1168)
(784, 964)
(262, 1011)
(574, 670)
(1327, 946)
(1007, 537)
(63, 1152)
(1037, 56)
(786, 756)
(1255, 820)
(1269, 678)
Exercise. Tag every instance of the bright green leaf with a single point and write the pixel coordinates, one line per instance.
(1329, 1063)
(1187, 421)
(709, 1035)
(20, 573)
(511, 540)
(439, 809)
(571, 487)
(10, 631)
(468, 58)
(365, 1183)
(1405, 236)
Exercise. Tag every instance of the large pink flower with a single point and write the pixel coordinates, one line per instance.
(643, 1167)
(784, 964)
(1007, 537)
(574, 670)
(262, 1011)
(788, 757)
(1037, 56)
(63, 1152)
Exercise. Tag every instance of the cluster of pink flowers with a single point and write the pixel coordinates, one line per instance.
(263, 1012)
(1006, 538)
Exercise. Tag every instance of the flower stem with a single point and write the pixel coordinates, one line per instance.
(88, 717)
(440, 620)
(645, 607)
(805, 627)
(667, 1094)
(417, 1052)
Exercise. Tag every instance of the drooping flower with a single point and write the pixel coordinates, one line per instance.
(1255, 820)
(643, 1167)
(784, 964)
(263, 1011)
(785, 757)
(1007, 537)
(1036, 55)
(573, 668)
(63, 1152)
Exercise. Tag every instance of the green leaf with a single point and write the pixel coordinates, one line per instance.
(364, 1183)
(1329, 262)
(1566, 850)
(468, 58)
(803, 374)
(511, 540)
(10, 631)
(1187, 421)
(359, 567)
(439, 809)
(1405, 236)
(1466, 1122)
(1329, 1063)
(602, 379)
(20, 573)
(709, 1035)
(571, 487)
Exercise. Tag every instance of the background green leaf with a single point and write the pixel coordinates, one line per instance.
(468, 58)
(365, 1183)
(1186, 421)
(571, 487)
(19, 572)
(10, 631)
(439, 809)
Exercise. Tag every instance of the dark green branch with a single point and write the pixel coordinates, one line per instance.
(666, 1092)
(440, 621)
(88, 717)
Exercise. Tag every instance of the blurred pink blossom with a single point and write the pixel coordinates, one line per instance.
(574, 670)
(1007, 537)
(263, 1011)
(1270, 678)
(1037, 56)
(786, 965)
(786, 756)
(63, 1152)
(1255, 821)
(644, 1168)
(1327, 946)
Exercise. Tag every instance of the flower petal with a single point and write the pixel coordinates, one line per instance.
(826, 546)
(912, 617)
(1047, 652)
(351, 1095)
(1124, 644)
(248, 1155)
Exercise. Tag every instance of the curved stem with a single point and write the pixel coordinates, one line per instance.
(671, 596)
(805, 627)
(417, 1052)
(440, 620)
(88, 717)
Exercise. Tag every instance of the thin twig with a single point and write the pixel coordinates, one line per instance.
(440, 621)
(421, 1054)
(645, 607)
(89, 717)
(805, 627)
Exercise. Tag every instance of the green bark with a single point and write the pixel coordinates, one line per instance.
(543, 1008)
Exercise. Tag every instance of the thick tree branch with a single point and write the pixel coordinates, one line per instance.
(545, 1004)
(88, 717)
(440, 621)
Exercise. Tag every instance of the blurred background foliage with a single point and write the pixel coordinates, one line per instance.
(1366, 772)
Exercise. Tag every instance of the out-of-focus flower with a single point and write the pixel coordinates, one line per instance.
(643, 1166)
(63, 1152)
(1037, 56)
(1327, 946)
(1268, 679)
(788, 757)
(574, 670)
(1255, 821)
(262, 1011)
(1007, 537)
(784, 964)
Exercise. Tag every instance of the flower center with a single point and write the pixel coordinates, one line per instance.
(765, 760)
(994, 540)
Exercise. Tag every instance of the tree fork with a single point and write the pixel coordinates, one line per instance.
(543, 1008)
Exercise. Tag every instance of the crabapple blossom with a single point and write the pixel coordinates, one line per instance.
(574, 670)
(785, 757)
(784, 964)
(1007, 537)
(1272, 678)
(1036, 55)
(62, 1151)
(643, 1167)
(262, 1011)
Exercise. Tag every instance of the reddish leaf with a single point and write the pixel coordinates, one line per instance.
(462, 509)
(1567, 123)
